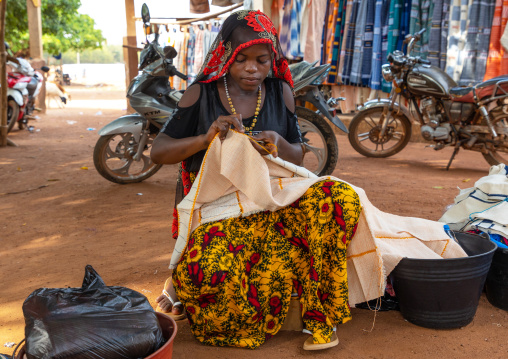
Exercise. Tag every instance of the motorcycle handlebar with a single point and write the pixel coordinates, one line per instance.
(180, 75)
(425, 62)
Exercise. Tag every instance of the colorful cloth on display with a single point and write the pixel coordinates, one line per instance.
(497, 62)
(438, 41)
(329, 31)
(456, 37)
(483, 207)
(350, 44)
(224, 49)
(337, 41)
(393, 34)
(476, 49)
(379, 44)
(290, 29)
(421, 18)
(347, 18)
(315, 18)
(359, 37)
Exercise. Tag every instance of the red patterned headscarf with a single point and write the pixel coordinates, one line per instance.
(255, 28)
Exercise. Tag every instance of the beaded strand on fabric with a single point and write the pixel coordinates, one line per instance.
(256, 113)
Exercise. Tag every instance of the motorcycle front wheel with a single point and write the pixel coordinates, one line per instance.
(113, 158)
(499, 120)
(365, 133)
(321, 148)
(12, 114)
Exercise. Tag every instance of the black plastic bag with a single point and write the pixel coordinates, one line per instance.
(94, 321)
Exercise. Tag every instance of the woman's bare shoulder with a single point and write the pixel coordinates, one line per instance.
(289, 100)
(190, 96)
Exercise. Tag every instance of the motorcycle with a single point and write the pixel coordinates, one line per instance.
(24, 86)
(122, 153)
(473, 118)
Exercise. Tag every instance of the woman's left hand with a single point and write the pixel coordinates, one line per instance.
(266, 142)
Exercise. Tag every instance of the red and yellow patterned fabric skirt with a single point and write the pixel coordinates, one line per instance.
(237, 275)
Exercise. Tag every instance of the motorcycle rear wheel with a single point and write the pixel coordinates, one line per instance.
(500, 123)
(321, 148)
(365, 128)
(12, 114)
(113, 159)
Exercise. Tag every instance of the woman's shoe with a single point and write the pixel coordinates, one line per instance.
(310, 345)
(174, 305)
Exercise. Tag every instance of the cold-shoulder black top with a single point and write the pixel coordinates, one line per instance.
(196, 119)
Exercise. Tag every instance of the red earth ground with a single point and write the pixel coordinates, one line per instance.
(58, 215)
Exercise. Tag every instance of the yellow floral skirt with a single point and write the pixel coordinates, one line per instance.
(237, 275)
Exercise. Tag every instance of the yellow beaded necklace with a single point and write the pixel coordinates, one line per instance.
(256, 113)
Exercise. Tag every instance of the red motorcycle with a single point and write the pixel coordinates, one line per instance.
(26, 84)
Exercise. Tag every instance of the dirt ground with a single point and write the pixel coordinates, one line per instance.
(58, 215)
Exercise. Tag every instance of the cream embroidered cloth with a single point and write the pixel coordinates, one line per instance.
(484, 206)
(234, 180)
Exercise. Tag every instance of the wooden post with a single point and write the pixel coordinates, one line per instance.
(33, 10)
(3, 77)
(130, 54)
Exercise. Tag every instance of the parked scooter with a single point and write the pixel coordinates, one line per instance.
(33, 87)
(24, 86)
(122, 153)
(473, 118)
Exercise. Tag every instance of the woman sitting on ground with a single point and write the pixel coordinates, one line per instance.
(252, 265)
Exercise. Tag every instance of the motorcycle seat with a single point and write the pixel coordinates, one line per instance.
(457, 92)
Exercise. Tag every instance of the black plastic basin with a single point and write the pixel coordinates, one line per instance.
(496, 285)
(444, 293)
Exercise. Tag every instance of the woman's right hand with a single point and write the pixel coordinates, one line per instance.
(222, 126)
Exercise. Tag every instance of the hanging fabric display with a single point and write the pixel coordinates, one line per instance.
(438, 40)
(497, 62)
(456, 36)
(350, 44)
(476, 49)
(420, 18)
(380, 38)
(354, 37)
(337, 41)
(316, 11)
(393, 34)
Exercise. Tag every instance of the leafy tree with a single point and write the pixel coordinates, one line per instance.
(63, 28)
(109, 54)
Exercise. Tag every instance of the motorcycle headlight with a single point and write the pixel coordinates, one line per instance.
(387, 73)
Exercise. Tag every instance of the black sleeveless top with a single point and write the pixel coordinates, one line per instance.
(197, 119)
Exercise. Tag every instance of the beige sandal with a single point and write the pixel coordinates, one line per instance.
(173, 304)
(310, 345)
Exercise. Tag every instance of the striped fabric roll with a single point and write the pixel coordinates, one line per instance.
(404, 23)
(438, 40)
(368, 38)
(393, 34)
(456, 36)
(380, 36)
(421, 12)
(294, 41)
(337, 41)
(356, 66)
(476, 47)
(497, 62)
(350, 44)
(347, 18)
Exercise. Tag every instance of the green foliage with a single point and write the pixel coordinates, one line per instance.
(109, 54)
(63, 28)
